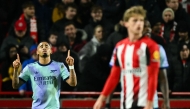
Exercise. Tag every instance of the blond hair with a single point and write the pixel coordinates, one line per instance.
(168, 10)
(138, 10)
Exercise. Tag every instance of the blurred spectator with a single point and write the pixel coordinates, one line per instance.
(34, 57)
(35, 27)
(183, 33)
(148, 32)
(186, 5)
(119, 34)
(179, 70)
(156, 30)
(43, 12)
(60, 55)
(59, 10)
(113, 9)
(7, 68)
(97, 19)
(75, 37)
(84, 8)
(168, 28)
(53, 41)
(9, 10)
(180, 13)
(151, 6)
(147, 28)
(96, 70)
(70, 15)
(18, 38)
(91, 47)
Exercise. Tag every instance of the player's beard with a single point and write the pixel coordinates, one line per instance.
(45, 55)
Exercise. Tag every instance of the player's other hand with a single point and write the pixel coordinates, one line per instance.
(16, 63)
(99, 102)
(69, 59)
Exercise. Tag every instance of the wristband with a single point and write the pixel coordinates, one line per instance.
(71, 67)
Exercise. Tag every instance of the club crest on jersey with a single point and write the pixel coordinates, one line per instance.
(156, 55)
(53, 71)
(140, 52)
(62, 66)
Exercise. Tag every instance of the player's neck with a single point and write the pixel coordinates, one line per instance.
(46, 60)
(134, 37)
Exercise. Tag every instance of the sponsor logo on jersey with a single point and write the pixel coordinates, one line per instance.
(53, 71)
(156, 55)
(45, 80)
(135, 71)
(140, 52)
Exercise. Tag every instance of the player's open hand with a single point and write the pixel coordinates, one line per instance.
(99, 102)
(69, 59)
(97, 105)
(16, 63)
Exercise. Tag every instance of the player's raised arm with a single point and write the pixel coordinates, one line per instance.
(72, 81)
(17, 66)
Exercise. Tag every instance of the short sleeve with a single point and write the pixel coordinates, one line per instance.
(163, 58)
(23, 87)
(25, 75)
(64, 72)
(114, 59)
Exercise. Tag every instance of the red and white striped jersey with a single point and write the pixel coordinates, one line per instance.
(137, 65)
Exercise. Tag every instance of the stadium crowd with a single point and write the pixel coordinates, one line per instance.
(90, 29)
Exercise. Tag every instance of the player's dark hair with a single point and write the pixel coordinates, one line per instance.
(45, 41)
(27, 4)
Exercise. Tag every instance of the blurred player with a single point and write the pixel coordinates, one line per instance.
(162, 72)
(136, 61)
(162, 77)
(45, 76)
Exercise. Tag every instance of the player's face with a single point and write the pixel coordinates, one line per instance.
(184, 53)
(135, 24)
(44, 50)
